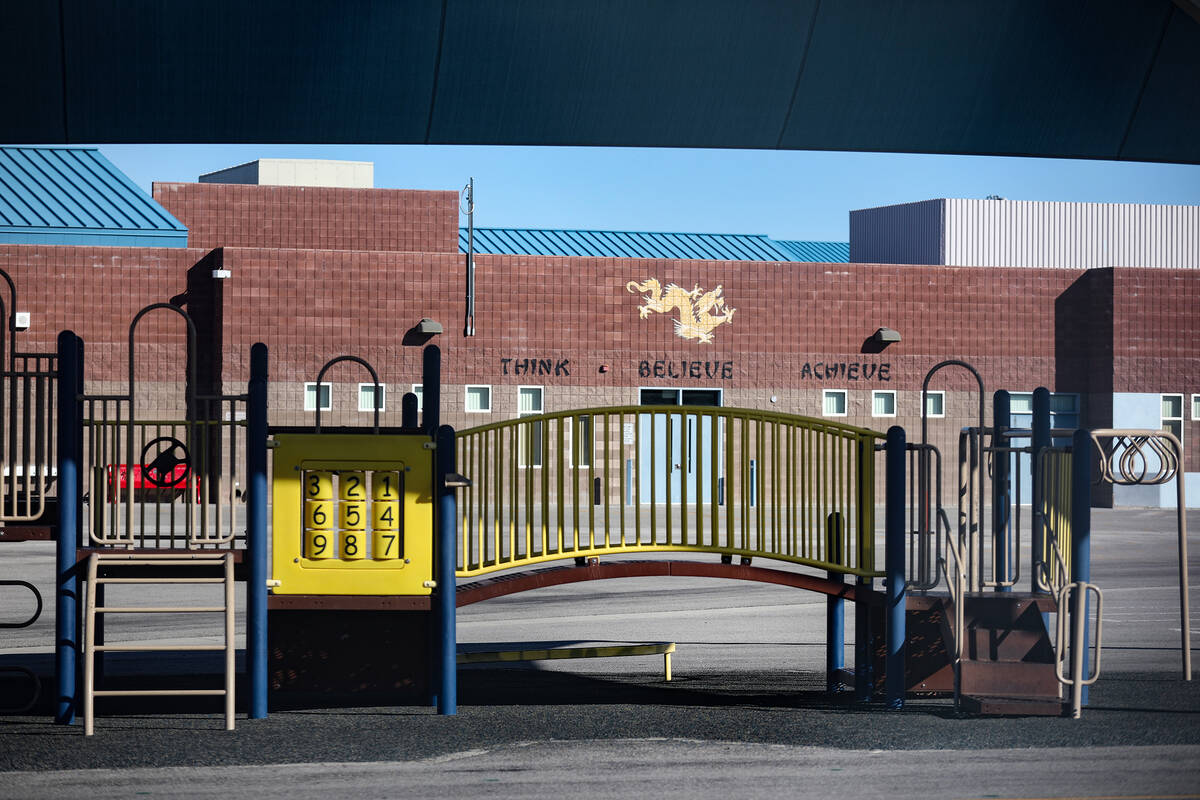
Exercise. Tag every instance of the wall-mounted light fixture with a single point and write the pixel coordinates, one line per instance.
(429, 327)
(886, 336)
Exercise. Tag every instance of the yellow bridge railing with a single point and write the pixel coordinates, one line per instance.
(1055, 559)
(634, 479)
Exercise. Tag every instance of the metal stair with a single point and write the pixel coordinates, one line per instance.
(173, 569)
(1008, 660)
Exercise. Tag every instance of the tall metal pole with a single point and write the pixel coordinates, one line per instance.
(1040, 441)
(447, 530)
(256, 533)
(469, 328)
(431, 388)
(66, 624)
(835, 607)
(1081, 552)
(894, 566)
(1001, 489)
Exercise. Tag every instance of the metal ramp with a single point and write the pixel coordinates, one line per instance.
(170, 570)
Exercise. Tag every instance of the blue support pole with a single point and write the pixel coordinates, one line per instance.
(835, 607)
(894, 565)
(1001, 487)
(1081, 536)
(256, 533)
(1040, 441)
(431, 388)
(446, 545)
(66, 605)
(864, 671)
(408, 411)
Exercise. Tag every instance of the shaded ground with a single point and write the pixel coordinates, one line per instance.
(507, 706)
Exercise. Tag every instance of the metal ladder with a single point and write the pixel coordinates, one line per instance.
(168, 569)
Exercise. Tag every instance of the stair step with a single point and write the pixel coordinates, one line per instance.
(1011, 706)
(1007, 644)
(1010, 679)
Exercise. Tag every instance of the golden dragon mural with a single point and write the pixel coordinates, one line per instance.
(699, 311)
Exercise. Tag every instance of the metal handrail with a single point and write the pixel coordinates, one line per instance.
(735, 482)
(1078, 625)
(1127, 455)
(26, 671)
(958, 601)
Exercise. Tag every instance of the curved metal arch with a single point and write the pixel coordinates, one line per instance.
(953, 362)
(513, 583)
(338, 360)
(189, 389)
(815, 423)
(926, 510)
(8, 333)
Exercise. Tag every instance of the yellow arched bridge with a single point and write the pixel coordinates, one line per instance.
(665, 479)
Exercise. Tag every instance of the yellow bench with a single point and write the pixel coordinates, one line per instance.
(542, 651)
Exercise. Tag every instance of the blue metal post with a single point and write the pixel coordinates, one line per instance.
(66, 606)
(447, 529)
(1001, 487)
(408, 411)
(835, 607)
(894, 566)
(256, 533)
(1081, 533)
(431, 388)
(1040, 441)
(864, 668)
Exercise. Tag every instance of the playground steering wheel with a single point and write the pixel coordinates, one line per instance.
(160, 471)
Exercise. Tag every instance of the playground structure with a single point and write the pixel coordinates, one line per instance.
(578, 486)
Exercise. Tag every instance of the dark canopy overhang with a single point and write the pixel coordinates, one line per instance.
(1106, 79)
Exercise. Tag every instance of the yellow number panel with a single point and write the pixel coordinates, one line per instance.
(352, 485)
(354, 545)
(385, 486)
(318, 486)
(352, 514)
(385, 545)
(319, 545)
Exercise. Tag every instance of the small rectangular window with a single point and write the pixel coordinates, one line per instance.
(419, 391)
(935, 404)
(1196, 408)
(834, 403)
(530, 402)
(371, 397)
(1064, 403)
(310, 396)
(1019, 403)
(883, 403)
(1172, 415)
(479, 399)
(583, 441)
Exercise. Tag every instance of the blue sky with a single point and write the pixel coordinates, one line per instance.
(784, 194)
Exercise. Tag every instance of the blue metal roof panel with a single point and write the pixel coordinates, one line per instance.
(818, 252)
(73, 195)
(643, 244)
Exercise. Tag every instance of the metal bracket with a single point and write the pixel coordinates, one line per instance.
(456, 481)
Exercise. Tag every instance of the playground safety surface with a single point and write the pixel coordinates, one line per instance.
(499, 707)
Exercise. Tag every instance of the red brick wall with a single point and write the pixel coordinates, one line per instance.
(95, 292)
(319, 218)
(1156, 331)
(1096, 333)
